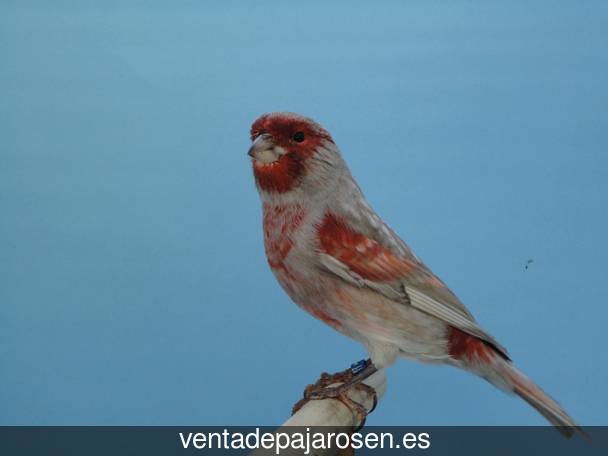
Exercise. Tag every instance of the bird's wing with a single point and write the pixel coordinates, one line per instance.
(376, 258)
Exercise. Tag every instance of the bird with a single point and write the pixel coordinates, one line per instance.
(338, 260)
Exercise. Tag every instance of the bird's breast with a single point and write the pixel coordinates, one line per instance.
(289, 241)
(281, 225)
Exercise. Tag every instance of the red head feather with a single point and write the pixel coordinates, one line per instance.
(299, 136)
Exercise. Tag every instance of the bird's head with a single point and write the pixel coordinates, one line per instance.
(290, 151)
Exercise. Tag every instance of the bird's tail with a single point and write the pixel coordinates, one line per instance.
(536, 397)
(484, 360)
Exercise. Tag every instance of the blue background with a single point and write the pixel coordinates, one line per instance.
(133, 283)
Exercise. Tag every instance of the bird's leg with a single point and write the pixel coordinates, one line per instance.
(345, 380)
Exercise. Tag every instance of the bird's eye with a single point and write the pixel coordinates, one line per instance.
(298, 136)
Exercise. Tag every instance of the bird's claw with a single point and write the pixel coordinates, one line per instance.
(315, 390)
(323, 389)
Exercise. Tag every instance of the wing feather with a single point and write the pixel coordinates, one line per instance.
(395, 272)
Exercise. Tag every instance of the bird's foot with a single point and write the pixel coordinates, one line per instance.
(324, 381)
(337, 386)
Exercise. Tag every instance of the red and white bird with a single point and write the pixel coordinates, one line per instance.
(337, 259)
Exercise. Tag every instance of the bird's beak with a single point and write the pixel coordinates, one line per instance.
(264, 149)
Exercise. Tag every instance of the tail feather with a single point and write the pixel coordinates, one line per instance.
(537, 398)
(481, 358)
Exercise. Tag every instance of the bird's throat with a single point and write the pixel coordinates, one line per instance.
(280, 176)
